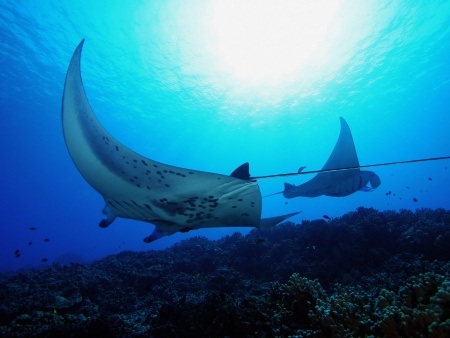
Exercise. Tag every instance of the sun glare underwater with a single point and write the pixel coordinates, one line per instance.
(210, 85)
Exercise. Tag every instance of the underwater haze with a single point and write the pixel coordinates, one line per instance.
(209, 85)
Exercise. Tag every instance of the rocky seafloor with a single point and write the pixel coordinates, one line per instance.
(367, 273)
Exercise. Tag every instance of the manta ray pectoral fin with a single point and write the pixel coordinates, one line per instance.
(242, 172)
(135, 187)
(272, 221)
(109, 217)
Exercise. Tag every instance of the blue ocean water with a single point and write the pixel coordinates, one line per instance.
(186, 84)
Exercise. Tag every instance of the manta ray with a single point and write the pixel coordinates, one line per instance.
(133, 186)
(334, 181)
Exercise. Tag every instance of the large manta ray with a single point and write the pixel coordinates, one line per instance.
(173, 199)
(337, 183)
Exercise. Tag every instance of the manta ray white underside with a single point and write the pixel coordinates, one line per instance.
(133, 186)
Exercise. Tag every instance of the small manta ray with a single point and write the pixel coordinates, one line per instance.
(173, 199)
(337, 183)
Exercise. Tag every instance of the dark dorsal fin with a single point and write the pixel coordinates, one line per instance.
(242, 172)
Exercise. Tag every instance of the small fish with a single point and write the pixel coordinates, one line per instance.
(29, 243)
(32, 228)
(16, 252)
(430, 179)
(414, 199)
(18, 255)
(46, 240)
(326, 217)
(43, 260)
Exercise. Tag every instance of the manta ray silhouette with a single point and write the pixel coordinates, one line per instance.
(337, 183)
(173, 199)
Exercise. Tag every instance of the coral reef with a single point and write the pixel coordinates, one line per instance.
(367, 273)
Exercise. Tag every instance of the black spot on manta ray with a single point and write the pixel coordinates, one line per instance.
(144, 163)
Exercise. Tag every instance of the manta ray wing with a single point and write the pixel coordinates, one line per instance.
(336, 183)
(136, 187)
